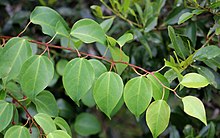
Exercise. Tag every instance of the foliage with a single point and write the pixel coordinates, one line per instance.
(129, 69)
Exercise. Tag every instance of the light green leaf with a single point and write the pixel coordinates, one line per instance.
(137, 95)
(17, 132)
(58, 134)
(111, 41)
(60, 66)
(45, 122)
(124, 38)
(45, 102)
(70, 42)
(194, 107)
(97, 11)
(63, 125)
(119, 55)
(6, 114)
(207, 53)
(194, 80)
(88, 31)
(78, 78)
(184, 17)
(157, 87)
(108, 91)
(106, 24)
(157, 117)
(14, 89)
(36, 74)
(61, 30)
(87, 124)
(214, 5)
(14, 54)
(47, 18)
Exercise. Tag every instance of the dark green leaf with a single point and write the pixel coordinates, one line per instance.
(207, 53)
(60, 66)
(87, 124)
(184, 17)
(36, 74)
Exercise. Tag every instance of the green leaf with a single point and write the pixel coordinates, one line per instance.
(214, 5)
(45, 122)
(194, 80)
(78, 78)
(106, 24)
(36, 74)
(61, 30)
(184, 17)
(70, 42)
(118, 106)
(58, 134)
(177, 43)
(111, 41)
(65, 109)
(2, 94)
(108, 91)
(137, 95)
(14, 89)
(47, 18)
(60, 66)
(96, 10)
(88, 31)
(157, 117)
(63, 125)
(17, 132)
(6, 114)
(87, 124)
(14, 54)
(124, 38)
(157, 87)
(119, 55)
(207, 53)
(194, 107)
(45, 102)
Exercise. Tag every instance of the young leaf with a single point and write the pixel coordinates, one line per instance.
(157, 117)
(184, 17)
(87, 124)
(119, 55)
(63, 125)
(14, 54)
(96, 10)
(46, 103)
(6, 114)
(157, 87)
(58, 134)
(60, 66)
(194, 107)
(124, 38)
(47, 18)
(88, 31)
(194, 80)
(137, 95)
(78, 78)
(45, 122)
(35, 75)
(108, 91)
(207, 53)
(17, 132)
(106, 24)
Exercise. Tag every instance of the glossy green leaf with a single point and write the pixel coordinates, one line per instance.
(157, 117)
(138, 94)
(87, 124)
(61, 30)
(106, 24)
(17, 132)
(88, 31)
(60, 66)
(63, 125)
(45, 122)
(108, 91)
(184, 17)
(14, 54)
(177, 43)
(36, 74)
(97, 11)
(111, 41)
(78, 78)
(194, 80)
(119, 55)
(207, 53)
(6, 114)
(194, 107)
(45, 102)
(58, 134)
(157, 87)
(124, 38)
(47, 18)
